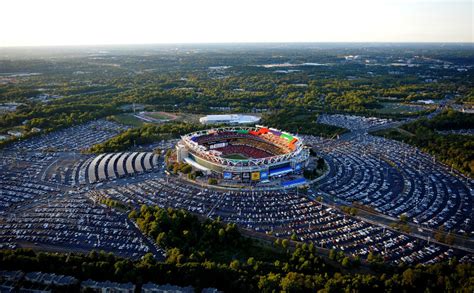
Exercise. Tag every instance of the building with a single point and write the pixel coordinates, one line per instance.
(107, 287)
(155, 288)
(15, 133)
(244, 154)
(229, 119)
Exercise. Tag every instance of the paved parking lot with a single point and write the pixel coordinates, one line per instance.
(49, 202)
(396, 179)
(75, 138)
(73, 222)
(283, 214)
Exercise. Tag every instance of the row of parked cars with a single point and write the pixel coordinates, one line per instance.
(397, 179)
(284, 214)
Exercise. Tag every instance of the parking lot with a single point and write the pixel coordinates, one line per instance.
(74, 223)
(76, 138)
(396, 179)
(49, 202)
(283, 214)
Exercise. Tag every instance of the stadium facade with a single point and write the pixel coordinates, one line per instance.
(244, 154)
(230, 119)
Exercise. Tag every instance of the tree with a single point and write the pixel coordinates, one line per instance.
(174, 256)
(235, 264)
(221, 233)
(403, 218)
(450, 238)
(353, 211)
(277, 242)
(161, 238)
(186, 169)
(408, 278)
(251, 261)
(133, 214)
(212, 181)
(269, 282)
(439, 234)
(346, 262)
(293, 282)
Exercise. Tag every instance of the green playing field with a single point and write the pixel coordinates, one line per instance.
(236, 157)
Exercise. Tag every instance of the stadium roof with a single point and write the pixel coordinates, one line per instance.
(196, 165)
(229, 119)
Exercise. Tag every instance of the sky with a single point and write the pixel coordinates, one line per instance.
(96, 22)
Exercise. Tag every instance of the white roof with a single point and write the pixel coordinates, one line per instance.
(196, 165)
(229, 118)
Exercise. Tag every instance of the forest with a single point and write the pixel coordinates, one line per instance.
(76, 86)
(300, 121)
(144, 135)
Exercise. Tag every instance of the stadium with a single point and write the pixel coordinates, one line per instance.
(245, 154)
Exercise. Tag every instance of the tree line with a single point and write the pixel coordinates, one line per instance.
(146, 134)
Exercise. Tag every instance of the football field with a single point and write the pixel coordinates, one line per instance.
(236, 157)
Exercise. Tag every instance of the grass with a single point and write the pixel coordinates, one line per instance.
(394, 133)
(399, 108)
(236, 157)
(128, 119)
(157, 115)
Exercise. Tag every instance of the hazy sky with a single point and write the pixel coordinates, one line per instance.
(83, 22)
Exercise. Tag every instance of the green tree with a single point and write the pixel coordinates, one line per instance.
(346, 262)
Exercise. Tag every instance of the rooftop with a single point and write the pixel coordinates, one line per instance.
(229, 118)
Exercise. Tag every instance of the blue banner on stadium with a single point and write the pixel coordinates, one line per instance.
(298, 167)
(227, 175)
(263, 175)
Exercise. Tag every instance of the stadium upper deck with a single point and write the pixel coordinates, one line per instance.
(244, 153)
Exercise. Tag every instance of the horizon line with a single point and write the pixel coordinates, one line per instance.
(236, 42)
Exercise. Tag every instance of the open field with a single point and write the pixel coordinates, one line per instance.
(128, 119)
(400, 108)
(148, 117)
(161, 115)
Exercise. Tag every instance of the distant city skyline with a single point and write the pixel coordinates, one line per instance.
(87, 22)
